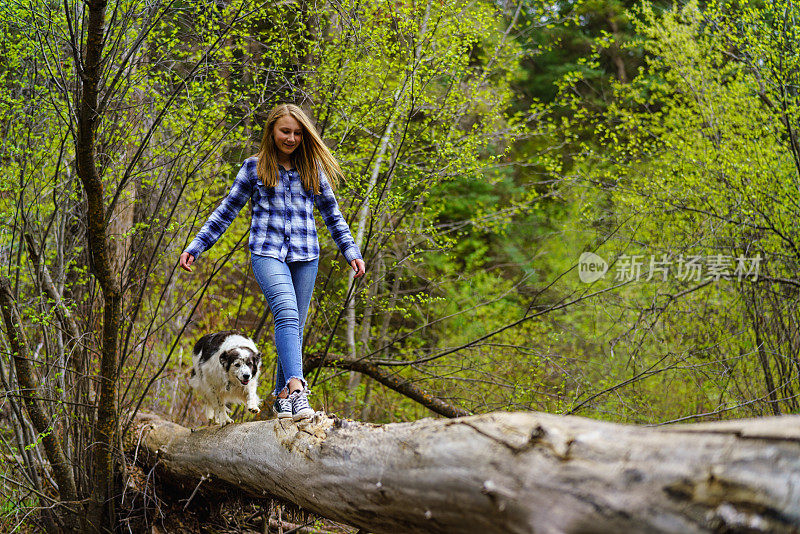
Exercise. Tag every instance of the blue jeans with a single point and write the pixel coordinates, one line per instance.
(288, 288)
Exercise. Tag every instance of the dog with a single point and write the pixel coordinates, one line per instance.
(226, 366)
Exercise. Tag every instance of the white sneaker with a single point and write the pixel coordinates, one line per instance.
(282, 408)
(300, 407)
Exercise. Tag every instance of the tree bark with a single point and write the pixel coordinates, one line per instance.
(502, 472)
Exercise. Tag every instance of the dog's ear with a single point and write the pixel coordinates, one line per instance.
(225, 359)
(257, 359)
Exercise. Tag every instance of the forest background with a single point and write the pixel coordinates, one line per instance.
(486, 147)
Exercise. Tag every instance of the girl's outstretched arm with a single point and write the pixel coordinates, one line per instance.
(340, 232)
(223, 216)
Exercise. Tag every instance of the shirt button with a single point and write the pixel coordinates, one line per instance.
(286, 238)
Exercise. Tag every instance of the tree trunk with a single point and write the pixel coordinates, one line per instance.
(502, 472)
(101, 505)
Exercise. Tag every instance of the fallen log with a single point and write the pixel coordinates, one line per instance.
(502, 472)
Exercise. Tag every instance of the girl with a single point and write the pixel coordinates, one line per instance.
(283, 181)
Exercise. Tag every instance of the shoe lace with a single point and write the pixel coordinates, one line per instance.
(300, 398)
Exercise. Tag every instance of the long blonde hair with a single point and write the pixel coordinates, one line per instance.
(310, 157)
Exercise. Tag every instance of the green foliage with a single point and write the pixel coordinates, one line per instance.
(694, 158)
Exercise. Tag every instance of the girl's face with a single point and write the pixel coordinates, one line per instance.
(288, 135)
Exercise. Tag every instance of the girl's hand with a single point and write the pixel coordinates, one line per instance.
(359, 267)
(186, 261)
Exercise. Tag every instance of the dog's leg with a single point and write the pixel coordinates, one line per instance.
(221, 416)
(226, 414)
(252, 397)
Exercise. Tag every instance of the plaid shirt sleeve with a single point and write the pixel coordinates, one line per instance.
(337, 226)
(223, 216)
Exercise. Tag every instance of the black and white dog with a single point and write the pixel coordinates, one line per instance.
(226, 367)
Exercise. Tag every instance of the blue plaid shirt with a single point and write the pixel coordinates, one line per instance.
(283, 217)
